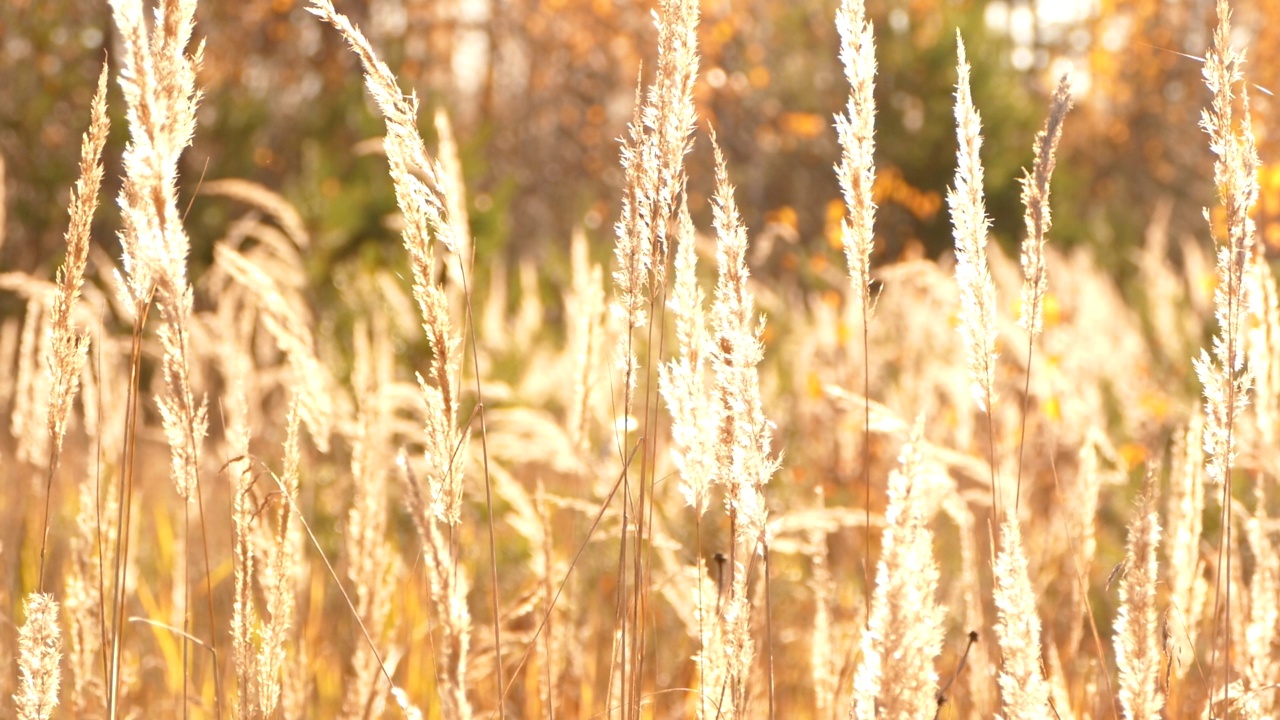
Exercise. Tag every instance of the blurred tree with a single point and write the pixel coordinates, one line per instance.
(1142, 140)
(541, 90)
(50, 54)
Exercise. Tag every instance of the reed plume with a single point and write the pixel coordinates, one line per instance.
(855, 128)
(70, 347)
(683, 380)
(857, 175)
(1222, 372)
(422, 186)
(158, 79)
(1185, 568)
(1136, 636)
(896, 677)
(1035, 198)
(658, 138)
(39, 653)
(1038, 220)
(969, 228)
(1023, 689)
(157, 76)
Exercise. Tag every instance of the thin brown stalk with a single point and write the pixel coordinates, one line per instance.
(595, 523)
(124, 508)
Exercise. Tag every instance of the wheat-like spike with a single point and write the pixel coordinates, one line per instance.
(374, 569)
(969, 227)
(855, 128)
(1035, 198)
(39, 654)
(978, 325)
(157, 76)
(896, 676)
(585, 310)
(1137, 639)
(423, 193)
(632, 252)
(683, 380)
(1260, 637)
(84, 605)
(1223, 373)
(447, 590)
(244, 616)
(278, 575)
(1024, 692)
(857, 175)
(822, 643)
(745, 437)
(658, 138)
(29, 414)
(70, 347)
(1185, 576)
(422, 196)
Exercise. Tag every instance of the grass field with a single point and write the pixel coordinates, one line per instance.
(650, 484)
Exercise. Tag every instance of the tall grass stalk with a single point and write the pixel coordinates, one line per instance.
(685, 386)
(969, 227)
(743, 450)
(1035, 198)
(158, 79)
(69, 348)
(1222, 372)
(124, 510)
(857, 174)
(659, 137)
(421, 186)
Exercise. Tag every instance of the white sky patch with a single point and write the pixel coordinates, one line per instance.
(1064, 12)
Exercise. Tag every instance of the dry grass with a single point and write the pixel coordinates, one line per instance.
(249, 505)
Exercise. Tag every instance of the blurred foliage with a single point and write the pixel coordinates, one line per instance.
(542, 90)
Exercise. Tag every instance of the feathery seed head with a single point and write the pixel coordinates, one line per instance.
(39, 654)
(969, 228)
(1035, 198)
